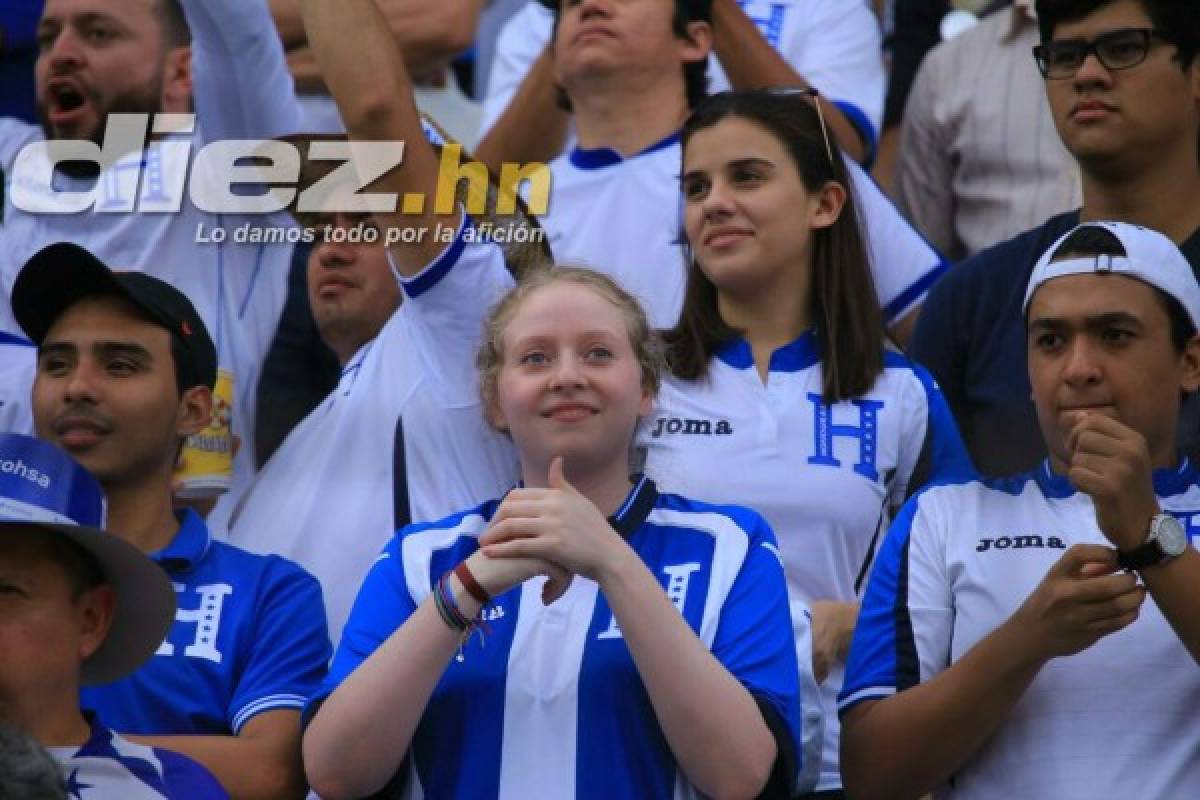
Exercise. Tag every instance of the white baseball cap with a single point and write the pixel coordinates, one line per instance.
(1149, 257)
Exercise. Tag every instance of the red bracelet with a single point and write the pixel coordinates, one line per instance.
(470, 584)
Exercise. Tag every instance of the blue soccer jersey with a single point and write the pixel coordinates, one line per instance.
(108, 767)
(1116, 720)
(249, 637)
(551, 704)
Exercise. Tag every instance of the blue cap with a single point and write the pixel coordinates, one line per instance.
(42, 488)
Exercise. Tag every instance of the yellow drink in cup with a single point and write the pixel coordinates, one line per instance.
(206, 468)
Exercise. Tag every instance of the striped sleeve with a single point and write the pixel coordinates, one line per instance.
(291, 646)
(447, 303)
(907, 617)
(933, 450)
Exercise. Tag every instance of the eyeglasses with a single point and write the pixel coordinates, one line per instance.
(1116, 50)
(815, 96)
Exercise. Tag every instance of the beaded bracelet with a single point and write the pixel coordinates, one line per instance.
(452, 615)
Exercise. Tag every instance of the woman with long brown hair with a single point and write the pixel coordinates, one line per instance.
(783, 394)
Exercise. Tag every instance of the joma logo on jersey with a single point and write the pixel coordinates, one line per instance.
(1020, 543)
(691, 427)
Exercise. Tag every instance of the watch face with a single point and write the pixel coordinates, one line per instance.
(1171, 536)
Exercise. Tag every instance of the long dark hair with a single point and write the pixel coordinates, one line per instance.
(843, 303)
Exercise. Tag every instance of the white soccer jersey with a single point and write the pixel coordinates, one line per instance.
(624, 217)
(325, 498)
(109, 766)
(18, 366)
(242, 90)
(1117, 720)
(834, 44)
(551, 706)
(826, 478)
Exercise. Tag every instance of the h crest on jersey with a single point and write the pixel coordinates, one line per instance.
(679, 576)
(866, 432)
(206, 616)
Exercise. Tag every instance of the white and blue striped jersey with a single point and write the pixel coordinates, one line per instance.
(825, 477)
(551, 705)
(835, 45)
(249, 637)
(1115, 720)
(344, 481)
(18, 367)
(108, 766)
(624, 217)
(242, 90)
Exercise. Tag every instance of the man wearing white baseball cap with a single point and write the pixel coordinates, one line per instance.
(78, 607)
(1038, 636)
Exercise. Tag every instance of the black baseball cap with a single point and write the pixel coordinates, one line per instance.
(60, 275)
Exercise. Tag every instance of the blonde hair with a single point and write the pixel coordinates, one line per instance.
(644, 340)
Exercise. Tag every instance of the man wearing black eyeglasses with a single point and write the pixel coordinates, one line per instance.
(1123, 82)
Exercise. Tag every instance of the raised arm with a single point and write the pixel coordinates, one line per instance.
(752, 63)
(522, 119)
(242, 87)
(365, 72)
(428, 32)
(532, 127)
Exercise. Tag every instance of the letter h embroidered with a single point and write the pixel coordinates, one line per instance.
(866, 432)
(678, 578)
(206, 618)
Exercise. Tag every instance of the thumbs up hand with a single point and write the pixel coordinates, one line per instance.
(558, 525)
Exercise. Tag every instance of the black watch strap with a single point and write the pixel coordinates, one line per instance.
(1146, 555)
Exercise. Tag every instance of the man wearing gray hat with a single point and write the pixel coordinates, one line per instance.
(125, 373)
(78, 607)
(1038, 636)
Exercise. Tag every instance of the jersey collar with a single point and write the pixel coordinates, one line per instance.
(1167, 482)
(8, 338)
(188, 548)
(792, 357)
(636, 508)
(601, 157)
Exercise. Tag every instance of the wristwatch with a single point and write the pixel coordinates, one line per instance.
(1167, 540)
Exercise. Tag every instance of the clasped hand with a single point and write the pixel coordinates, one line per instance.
(554, 531)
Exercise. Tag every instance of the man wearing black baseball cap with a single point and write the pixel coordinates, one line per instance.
(62, 274)
(81, 607)
(125, 374)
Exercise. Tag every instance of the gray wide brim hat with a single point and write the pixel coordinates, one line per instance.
(43, 489)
